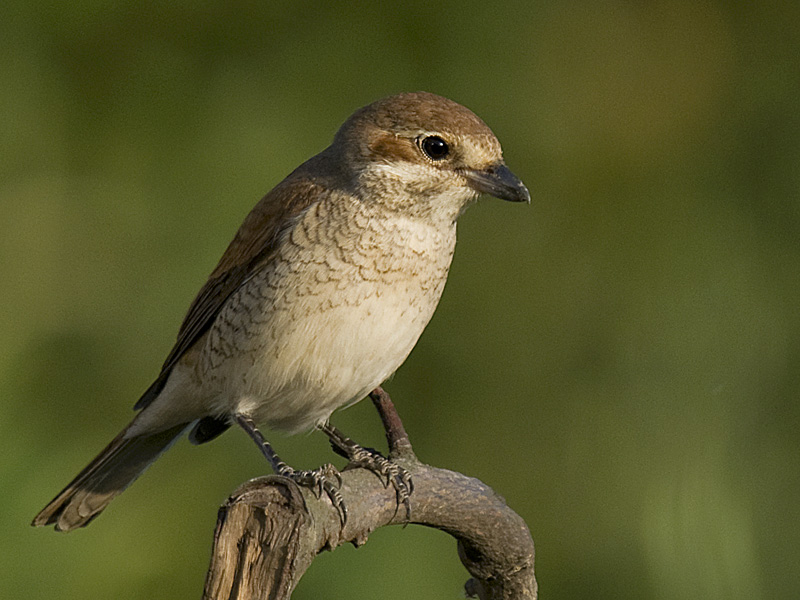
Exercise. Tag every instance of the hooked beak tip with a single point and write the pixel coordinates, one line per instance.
(498, 181)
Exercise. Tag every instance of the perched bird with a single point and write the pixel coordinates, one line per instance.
(319, 298)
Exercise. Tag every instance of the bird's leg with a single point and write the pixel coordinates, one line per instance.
(372, 460)
(320, 480)
(396, 436)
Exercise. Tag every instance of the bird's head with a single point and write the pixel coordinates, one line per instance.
(424, 154)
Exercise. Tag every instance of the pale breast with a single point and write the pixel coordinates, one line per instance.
(331, 317)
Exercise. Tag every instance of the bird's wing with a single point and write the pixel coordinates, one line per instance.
(253, 245)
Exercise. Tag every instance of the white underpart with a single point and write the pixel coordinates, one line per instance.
(346, 337)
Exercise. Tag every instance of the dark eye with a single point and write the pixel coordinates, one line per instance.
(434, 147)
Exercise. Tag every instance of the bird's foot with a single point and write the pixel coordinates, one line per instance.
(319, 480)
(389, 472)
(325, 479)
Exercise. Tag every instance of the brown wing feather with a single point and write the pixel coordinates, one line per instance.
(251, 247)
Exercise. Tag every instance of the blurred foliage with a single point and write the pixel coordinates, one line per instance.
(619, 360)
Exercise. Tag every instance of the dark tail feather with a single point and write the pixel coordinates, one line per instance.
(114, 469)
(208, 428)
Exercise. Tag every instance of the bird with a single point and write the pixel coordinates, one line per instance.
(321, 295)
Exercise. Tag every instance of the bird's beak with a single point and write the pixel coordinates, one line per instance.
(497, 180)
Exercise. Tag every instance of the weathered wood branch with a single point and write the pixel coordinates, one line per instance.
(270, 530)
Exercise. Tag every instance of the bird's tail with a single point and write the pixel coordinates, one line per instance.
(114, 469)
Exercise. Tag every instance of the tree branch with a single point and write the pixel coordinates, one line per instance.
(270, 530)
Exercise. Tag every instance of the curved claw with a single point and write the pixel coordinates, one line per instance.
(330, 471)
(389, 472)
(320, 481)
(336, 500)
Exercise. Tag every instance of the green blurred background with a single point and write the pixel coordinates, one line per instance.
(618, 360)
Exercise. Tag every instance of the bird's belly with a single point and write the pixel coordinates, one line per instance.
(316, 352)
